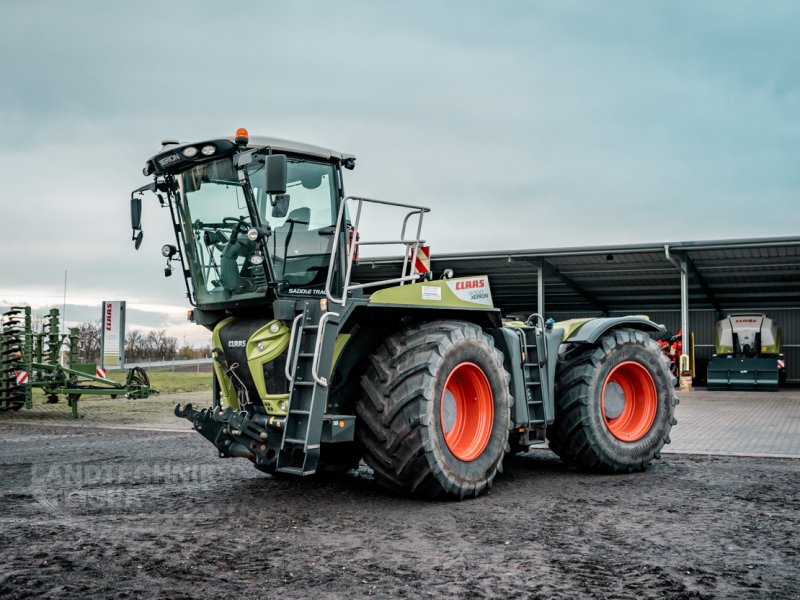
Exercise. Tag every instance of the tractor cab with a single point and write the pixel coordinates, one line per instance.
(253, 218)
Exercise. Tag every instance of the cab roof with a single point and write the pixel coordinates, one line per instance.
(170, 160)
(282, 145)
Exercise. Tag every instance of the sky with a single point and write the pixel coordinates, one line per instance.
(521, 124)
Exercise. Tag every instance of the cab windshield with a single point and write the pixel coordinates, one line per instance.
(215, 217)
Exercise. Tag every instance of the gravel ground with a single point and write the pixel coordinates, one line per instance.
(98, 513)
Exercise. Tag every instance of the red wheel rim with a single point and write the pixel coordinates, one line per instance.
(466, 411)
(632, 401)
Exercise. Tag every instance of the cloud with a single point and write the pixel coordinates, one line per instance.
(520, 124)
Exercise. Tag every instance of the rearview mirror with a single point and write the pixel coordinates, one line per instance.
(136, 213)
(275, 168)
(280, 205)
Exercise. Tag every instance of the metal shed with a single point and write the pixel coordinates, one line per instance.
(684, 285)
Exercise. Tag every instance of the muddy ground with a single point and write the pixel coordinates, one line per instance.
(97, 513)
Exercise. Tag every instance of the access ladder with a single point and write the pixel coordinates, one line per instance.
(533, 366)
(308, 362)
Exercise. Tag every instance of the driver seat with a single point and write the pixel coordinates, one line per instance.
(301, 217)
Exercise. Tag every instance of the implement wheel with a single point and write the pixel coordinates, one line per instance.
(615, 404)
(435, 411)
(136, 380)
(15, 399)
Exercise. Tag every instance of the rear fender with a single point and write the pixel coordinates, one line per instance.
(592, 330)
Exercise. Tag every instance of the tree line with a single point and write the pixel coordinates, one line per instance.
(139, 346)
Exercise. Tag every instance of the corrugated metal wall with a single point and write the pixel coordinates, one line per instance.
(702, 324)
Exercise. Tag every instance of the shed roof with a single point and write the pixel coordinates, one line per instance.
(723, 275)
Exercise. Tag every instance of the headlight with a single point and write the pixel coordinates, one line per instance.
(256, 259)
(252, 234)
(168, 250)
(190, 152)
(208, 150)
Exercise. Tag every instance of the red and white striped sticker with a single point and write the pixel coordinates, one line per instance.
(422, 261)
(22, 377)
(781, 363)
(101, 372)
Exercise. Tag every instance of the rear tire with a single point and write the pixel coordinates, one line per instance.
(615, 404)
(434, 415)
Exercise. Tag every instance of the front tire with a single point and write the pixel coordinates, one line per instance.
(615, 404)
(434, 415)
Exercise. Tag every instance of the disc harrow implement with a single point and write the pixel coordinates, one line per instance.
(47, 360)
(12, 392)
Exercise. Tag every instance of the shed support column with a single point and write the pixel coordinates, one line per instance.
(540, 289)
(686, 338)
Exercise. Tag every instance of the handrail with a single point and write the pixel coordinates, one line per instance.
(291, 360)
(388, 203)
(540, 325)
(318, 348)
(400, 280)
(412, 252)
(386, 242)
(408, 273)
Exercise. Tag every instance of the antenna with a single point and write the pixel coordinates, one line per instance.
(64, 304)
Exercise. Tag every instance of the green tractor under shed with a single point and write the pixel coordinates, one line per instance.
(421, 377)
(748, 354)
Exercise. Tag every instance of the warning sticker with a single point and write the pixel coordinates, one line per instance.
(472, 289)
(431, 293)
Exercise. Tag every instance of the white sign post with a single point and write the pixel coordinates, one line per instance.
(112, 340)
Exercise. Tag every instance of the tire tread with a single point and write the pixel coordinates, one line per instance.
(396, 386)
(571, 436)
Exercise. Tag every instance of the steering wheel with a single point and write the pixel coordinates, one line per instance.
(239, 223)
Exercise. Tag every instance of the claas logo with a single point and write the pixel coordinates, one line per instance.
(470, 284)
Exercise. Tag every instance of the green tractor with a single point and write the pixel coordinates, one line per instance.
(422, 377)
